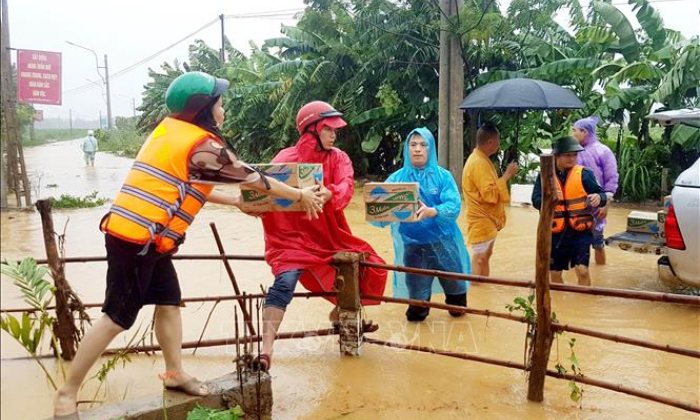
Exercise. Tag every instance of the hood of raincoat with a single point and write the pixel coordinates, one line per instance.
(589, 124)
(432, 153)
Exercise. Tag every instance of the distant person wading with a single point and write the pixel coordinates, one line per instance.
(89, 148)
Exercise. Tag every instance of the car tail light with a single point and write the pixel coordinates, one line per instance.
(674, 239)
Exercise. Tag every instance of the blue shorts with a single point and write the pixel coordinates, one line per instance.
(280, 294)
(570, 250)
(598, 240)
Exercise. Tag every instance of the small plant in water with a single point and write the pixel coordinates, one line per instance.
(164, 377)
(67, 201)
(576, 391)
(203, 413)
(525, 305)
(111, 364)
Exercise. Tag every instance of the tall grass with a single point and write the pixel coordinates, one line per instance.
(121, 141)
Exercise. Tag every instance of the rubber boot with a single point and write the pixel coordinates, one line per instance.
(457, 300)
(417, 313)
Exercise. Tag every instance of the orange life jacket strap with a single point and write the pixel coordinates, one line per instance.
(153, 228)
(157, 201)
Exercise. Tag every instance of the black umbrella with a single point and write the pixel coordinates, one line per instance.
(518, 95)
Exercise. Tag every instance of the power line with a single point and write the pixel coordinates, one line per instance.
(261, 15)
(127, 69)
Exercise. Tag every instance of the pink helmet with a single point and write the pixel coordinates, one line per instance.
(316, 111)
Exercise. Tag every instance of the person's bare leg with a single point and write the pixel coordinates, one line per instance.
(168, 328)
(272, 318)
(555, 277)
(600, 256)
(480, 262)
(584, 278)
(91, 347)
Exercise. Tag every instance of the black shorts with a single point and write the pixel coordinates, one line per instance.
(568, 251)
(134, 281)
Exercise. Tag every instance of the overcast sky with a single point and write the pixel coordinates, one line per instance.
(129, 31)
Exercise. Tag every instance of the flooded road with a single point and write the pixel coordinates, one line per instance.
(310, 380)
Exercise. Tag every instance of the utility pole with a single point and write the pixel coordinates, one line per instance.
(3, 181)
(133, 105)
(105, 80)
(222, 53)
(100, 119)
(109, 100)
(451, 91)
(70, 121)
(16, 169)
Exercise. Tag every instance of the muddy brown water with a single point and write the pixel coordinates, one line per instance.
(310, 379)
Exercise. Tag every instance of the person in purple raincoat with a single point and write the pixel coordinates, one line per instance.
(601, 160)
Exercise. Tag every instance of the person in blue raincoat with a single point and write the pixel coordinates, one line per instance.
(434, 240)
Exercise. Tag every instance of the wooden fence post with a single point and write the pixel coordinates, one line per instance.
(67, 333)
(543, 335)
(348, 297)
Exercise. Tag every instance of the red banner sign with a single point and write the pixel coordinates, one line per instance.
(39, 77)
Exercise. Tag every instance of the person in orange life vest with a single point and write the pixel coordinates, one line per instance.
(168, 184)
(572, 228)
(303, 252)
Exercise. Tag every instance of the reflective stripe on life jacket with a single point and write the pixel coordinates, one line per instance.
(572, 203)
(157, 204)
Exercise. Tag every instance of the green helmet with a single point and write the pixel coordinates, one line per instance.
(566, 144)
(190, 92)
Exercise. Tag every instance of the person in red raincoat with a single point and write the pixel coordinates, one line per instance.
(299, 250)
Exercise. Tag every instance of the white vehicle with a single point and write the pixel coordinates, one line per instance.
(679, 245)
(681, 265)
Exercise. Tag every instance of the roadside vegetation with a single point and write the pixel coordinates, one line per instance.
(67, 201)
(124, 140)
(377, 61)
(44, 136)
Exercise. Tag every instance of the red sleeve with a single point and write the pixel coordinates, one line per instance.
(343, 182)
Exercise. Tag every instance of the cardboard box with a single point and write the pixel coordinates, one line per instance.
(642, 222)
(254, 201)
(666, 202)
(390, 212)
(391, 192)
(661, 221)
(298, 175)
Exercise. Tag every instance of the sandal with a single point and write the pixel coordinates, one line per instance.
(192, 387)
(261, 363)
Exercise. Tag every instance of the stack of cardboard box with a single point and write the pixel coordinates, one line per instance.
(391, 201)
(661, 217)
(298, 175)
(642, 222)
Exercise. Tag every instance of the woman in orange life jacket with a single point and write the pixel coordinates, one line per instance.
(572, 226)
(165, 189)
